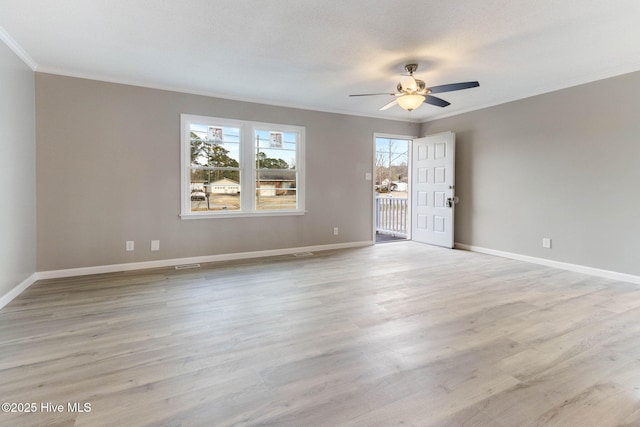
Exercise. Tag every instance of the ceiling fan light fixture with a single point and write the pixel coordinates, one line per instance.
(410, 102)
(413, 92)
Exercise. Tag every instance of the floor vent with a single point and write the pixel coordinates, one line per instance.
(303, 254)
(187, 266)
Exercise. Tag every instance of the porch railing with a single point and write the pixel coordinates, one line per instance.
(391, 215)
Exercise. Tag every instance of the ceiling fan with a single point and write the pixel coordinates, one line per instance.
(413, 92)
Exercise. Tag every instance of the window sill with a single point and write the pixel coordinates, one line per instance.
(240, 214)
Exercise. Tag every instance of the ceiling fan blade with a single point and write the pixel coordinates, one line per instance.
(433, 100)
(389, 105)
(373, 94)
(453, 86)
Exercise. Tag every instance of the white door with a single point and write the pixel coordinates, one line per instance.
(432, 189)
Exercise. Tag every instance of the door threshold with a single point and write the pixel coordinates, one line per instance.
(386, 238)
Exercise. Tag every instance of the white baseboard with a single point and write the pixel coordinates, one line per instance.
(114, 268)
(9, 296)
(614, 275)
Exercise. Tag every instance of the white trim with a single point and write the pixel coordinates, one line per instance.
(18, 50)
(219, 95)
(565, 84)
(231, 214)
(613, 275)
(247, 169)
(9, 296)
(392, 136)
(605, 74)
(114, 268)
(409, 140)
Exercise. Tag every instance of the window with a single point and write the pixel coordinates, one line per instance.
(239, 168)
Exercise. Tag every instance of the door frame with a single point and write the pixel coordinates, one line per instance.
(373, 180)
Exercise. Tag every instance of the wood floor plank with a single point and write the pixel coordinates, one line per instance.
(400, 333)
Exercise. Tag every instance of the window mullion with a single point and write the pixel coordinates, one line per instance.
(248, 174)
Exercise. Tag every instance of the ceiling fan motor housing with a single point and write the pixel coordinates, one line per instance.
(421, 86)
(411, 68)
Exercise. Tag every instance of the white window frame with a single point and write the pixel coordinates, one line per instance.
(247, 167)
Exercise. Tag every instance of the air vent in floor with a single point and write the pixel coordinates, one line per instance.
(187, 266)
(303, 254)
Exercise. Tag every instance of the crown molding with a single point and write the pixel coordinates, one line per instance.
(15, 47)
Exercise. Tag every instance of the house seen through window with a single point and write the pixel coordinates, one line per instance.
(235, 167)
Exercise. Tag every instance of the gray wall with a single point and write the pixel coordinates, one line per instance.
(563, 165)
(17, 171)
(109, 171)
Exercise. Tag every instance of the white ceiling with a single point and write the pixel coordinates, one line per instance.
(314, 53)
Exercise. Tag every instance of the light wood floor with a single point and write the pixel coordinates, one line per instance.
(396, 334)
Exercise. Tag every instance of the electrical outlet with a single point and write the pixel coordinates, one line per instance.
(335, 231)
(546, 242)
(155, 245)
(129, 245)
